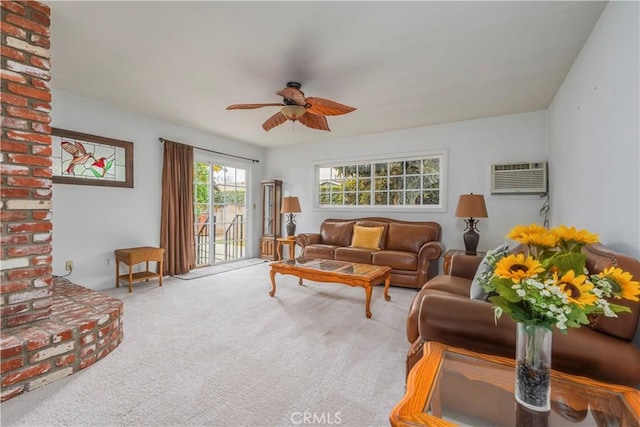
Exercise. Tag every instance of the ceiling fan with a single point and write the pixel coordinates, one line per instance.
(309, 111)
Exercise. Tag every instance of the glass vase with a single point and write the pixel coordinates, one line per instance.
(533, 367)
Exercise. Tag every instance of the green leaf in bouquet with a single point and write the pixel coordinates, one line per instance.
(565, 261)
(504, 288)
(619, 308)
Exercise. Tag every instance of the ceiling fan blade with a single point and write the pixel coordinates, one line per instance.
(273, 121)
(326, 107)
(252, 106)
(314, 121)
(293, 94)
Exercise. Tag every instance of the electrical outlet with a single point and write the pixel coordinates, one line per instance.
(68, 266)
(108, 262)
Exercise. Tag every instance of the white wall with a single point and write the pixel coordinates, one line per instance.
(472, 146)
(89, 222)
(594, 135)
(594, 127)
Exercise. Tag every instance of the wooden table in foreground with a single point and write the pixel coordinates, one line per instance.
(348, 273)
(451, 385)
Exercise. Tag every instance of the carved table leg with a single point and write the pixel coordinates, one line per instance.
(367, 289)
(387, 282)
(273, 283)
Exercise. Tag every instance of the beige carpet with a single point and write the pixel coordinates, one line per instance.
(197, 273)
(218, 351)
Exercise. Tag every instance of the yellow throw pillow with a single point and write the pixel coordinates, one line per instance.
(366, 237)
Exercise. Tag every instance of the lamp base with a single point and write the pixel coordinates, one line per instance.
(291, 229)
(471, 239)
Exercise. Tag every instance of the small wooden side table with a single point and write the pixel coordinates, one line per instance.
(132, 256)
(291, 243)
(446, 262)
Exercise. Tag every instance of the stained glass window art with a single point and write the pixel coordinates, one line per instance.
(91, 160)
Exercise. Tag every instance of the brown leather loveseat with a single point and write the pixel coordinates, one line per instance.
(442, 311)
(411, 249)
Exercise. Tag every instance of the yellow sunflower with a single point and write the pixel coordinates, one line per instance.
(571, 234)
(629, 289)
(576, 289)
(517, 267)
(519, 231)
(544, 239)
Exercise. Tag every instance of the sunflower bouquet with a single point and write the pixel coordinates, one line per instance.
(550, 286)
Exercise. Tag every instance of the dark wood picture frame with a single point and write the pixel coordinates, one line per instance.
(85, 137)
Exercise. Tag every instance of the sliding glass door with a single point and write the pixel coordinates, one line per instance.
(220, 209)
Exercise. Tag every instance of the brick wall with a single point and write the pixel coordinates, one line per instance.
(25, 168)
(50, 328)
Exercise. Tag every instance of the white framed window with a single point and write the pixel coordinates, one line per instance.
(407, 182)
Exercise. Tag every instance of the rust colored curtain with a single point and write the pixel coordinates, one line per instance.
(176, 225)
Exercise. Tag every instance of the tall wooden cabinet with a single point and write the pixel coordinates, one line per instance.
(271, 218)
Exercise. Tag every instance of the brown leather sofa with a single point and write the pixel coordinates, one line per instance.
(442, 311)
(411, 249)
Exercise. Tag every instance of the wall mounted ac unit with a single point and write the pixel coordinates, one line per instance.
(519, 178)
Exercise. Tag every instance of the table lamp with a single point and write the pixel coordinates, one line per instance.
(290, 206)
(471, 206)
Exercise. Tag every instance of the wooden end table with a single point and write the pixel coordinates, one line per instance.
(291, 243)
(132, 256)
(451, 385)
(347, 273)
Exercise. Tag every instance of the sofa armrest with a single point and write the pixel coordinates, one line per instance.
(412, 317)
(427, 261)
(462, 322)
(305, 239)
(464, 265)
(452, 285)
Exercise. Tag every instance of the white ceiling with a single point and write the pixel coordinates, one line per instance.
(402, 64)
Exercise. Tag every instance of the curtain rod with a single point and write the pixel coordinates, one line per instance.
(218, 152)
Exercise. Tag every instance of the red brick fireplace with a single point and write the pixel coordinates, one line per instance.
(50, 327)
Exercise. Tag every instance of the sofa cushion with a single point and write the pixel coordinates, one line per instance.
(476, 291)
(358, 255)
(366, 237)
(374, 223)
(337, 233)
(320, 251)
(396, 259)
(409, 237)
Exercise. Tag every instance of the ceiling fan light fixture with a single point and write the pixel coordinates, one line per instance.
(293, 112)
(308, 111)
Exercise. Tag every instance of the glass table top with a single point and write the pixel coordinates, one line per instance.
(475, 392)
(452, 386)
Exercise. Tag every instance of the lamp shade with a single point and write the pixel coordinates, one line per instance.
(471, 206)
(290, 205)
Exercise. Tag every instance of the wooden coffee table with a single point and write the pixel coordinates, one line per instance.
(451, 386)
(347, 273)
